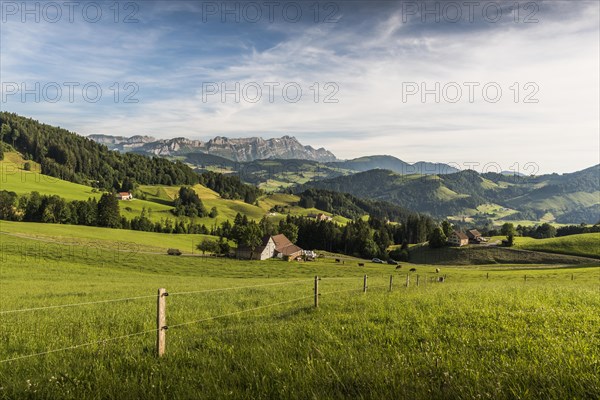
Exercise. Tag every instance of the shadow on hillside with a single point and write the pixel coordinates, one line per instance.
(168, 203)
(473, 255)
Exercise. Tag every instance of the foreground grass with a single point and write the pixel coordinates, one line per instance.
(485, 333)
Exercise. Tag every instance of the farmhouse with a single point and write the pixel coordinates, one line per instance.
(457, 238)
(320, 217)
(323, 217)
(285, 249)
(475, 237)
(124, 196)
(262, 252)
(272, 246)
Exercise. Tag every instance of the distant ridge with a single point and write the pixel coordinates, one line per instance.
(238, 149)
(394, 164)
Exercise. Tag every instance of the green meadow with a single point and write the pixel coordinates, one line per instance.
(584, 245)
(248, 329)
(587, 244)
(157, 200)
(105, 238)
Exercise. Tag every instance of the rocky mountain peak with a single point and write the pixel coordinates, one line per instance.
(235, 149)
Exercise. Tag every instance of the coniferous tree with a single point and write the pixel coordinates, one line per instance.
(108, 211)
(437, 238)
(290, 230)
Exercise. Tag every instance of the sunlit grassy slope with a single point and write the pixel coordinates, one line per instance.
(587, 244)
(157, 199)
(105, 238)
(473, 336)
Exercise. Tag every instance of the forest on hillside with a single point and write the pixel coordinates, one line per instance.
(66, 155)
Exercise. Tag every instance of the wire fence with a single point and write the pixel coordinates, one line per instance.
(78, 346)
(74, 304)
(425, 281)
(158, 329)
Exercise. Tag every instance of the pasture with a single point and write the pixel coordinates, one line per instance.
(484, 333)
(586, 244)
(157, 200)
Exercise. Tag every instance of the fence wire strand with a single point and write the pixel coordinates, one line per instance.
(239, 287)
(78, 346)
(357, 289)
(240, 312)
(144, 297)
(75, 304)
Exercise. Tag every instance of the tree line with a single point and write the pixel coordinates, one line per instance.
(105, 212)
(349, 206)
(361, 238)
(230, 187)
(68, 156)
(71, 157)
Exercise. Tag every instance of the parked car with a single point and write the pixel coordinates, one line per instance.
(377, 261)
(174, 252)
(392, 262)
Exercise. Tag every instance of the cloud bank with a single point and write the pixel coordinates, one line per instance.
(401, 78)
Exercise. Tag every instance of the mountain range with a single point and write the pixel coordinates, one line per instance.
(436, 189)
(238, 150)
(227, 151)
(259, 160)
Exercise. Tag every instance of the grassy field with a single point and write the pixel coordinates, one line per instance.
(104, 238)
(14, 178)
(496, 213)
(156, 199)
(477, 254)
(585, 245)
(484, 333)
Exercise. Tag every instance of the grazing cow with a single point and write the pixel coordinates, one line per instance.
(413, 270)
(337, 260)
(441, 279)
(437, 270)
(399, 266)
(361, 264)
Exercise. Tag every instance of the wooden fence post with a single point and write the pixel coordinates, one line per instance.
(407, 280)
(487, 276)
(365, 284)
(417, 280)
(391, 281)
(525, 278)
(572, 277)
(161, 321)
(316, 291)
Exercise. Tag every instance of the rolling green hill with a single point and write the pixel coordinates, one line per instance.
(394, 164)
(586, 244)
(276, 174)
(96, 239)
(157, 200)
(483, 255)
(69, 156)
(569, 198)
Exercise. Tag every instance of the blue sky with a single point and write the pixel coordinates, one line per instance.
(369, 53)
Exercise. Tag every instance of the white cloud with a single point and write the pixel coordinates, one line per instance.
(369, 66)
